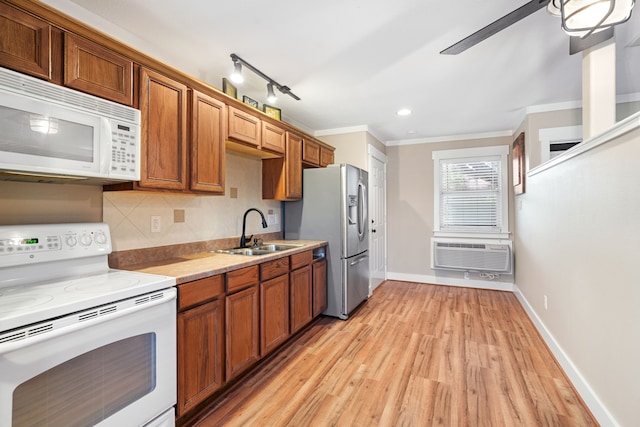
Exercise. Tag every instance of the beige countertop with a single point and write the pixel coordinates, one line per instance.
(205, 264)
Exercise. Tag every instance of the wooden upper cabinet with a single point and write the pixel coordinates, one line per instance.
(25, 42)
(273, 138)
(310, 152)
(163, 104)
(326, 157)
(94, 69)
(208, 130)
(282, 178)
(244, 128)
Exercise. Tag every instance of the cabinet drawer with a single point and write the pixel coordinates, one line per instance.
(242, 278)
(274, 268)
(199, 291)
(301, 259)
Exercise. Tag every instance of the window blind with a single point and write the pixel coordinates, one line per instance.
(470, 194)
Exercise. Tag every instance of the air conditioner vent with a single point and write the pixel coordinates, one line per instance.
(472, 256)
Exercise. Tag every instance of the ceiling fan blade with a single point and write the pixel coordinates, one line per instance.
(578, 44)
(496, 26)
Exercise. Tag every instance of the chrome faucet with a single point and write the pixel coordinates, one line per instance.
(243, 238)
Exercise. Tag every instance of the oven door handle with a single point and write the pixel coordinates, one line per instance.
(42, 331)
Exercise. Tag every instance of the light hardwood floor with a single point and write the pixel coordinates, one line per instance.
(413, 355)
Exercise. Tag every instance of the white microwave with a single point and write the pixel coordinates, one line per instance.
(53, 133)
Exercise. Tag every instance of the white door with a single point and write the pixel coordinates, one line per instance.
(377, 218)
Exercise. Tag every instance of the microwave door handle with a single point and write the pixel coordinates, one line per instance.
(105, 145)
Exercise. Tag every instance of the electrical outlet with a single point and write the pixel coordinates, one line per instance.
(466, 275)
(156, 224)
(545, 302)
(271, 219)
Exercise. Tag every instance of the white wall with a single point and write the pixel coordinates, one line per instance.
(577, 236)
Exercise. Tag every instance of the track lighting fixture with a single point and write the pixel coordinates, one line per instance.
(239, 62)
(584, 17)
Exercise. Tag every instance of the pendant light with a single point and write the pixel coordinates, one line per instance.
(584, 17)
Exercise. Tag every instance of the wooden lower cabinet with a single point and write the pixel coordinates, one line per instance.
(200, 336)
(274, 313)
(242, 331)
(301, 298)
(200, 354)
(319, 268)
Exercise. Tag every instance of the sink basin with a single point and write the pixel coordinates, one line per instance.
(258, 250)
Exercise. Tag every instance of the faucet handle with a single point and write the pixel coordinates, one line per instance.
(257, 241)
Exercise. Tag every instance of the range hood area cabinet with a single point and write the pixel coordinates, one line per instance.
(33, 46)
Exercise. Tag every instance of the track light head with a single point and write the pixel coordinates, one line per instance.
(271, 95)
(236, 76)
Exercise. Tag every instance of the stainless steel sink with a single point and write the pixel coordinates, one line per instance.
(265, 249)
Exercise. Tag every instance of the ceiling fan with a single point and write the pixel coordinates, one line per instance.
(577, 43)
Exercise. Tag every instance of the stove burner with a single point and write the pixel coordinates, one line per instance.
(22, 302)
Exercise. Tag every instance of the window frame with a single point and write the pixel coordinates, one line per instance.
(473, 154)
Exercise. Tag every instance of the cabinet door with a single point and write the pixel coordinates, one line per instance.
(311, 152)
(319, 286)
(97, 70)
(282, 178)
(25, 42)
(244, 128)
(208, 130)
(301, 295)
(326, 157)
(243, 339)
(200, 353)
(163, 104)
(293, 167)
(274, 313)
(273, 138)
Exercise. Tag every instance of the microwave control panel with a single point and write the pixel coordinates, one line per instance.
(125, 151)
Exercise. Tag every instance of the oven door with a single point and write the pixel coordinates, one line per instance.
(118, 368)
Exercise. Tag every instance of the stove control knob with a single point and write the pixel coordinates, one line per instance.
(71, 240)
(100, 238)
(85, 240)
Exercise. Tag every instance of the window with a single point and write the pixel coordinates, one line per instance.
(471, 192)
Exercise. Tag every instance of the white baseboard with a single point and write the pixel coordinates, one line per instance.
(451, 281)
(597, 408)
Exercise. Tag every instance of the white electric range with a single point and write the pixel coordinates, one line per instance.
(64, 315)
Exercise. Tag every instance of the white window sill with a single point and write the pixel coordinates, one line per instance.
(468, 235)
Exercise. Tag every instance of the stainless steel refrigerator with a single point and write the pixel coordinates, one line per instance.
(334, 208)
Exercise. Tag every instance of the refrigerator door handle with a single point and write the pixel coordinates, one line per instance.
(359, 260)
(362, 210)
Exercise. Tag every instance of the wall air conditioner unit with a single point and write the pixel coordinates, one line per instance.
(471, 255)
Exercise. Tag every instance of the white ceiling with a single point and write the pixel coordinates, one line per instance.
(354, 63)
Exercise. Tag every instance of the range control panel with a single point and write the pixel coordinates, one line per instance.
(23, 244)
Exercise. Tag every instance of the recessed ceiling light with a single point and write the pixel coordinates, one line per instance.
(404, 112)
(411, 132)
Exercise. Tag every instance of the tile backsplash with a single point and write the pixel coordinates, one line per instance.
(191, 218)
